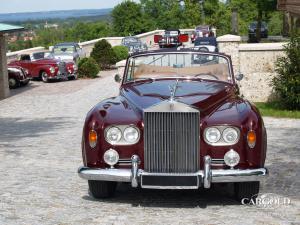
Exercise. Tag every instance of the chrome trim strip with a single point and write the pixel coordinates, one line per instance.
(118, 175)
(237, 175)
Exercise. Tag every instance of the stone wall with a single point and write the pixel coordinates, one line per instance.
(256, 62)
(14, 55)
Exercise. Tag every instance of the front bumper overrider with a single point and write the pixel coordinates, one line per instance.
(205, 176)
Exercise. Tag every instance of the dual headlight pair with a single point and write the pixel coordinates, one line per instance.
(221, 135)
(122, 135)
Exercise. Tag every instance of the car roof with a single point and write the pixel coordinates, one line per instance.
(66, 43)
(172, 29)
(172, 50)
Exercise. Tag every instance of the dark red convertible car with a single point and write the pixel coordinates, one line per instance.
(178, 123)
(46, 68)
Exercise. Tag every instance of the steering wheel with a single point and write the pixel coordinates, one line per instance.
(205, 74)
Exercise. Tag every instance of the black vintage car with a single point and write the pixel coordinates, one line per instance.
(252, 30)
(17, 76)
(171, 38)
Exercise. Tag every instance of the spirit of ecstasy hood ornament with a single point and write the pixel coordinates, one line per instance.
(173, 89)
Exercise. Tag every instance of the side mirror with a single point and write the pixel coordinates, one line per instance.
(118, 79)
(239, 77)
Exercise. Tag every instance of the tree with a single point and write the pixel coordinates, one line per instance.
(128, 19)
(287, 83)
(103, 54)
(263, 7)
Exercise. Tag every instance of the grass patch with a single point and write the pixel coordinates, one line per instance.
(273, 109)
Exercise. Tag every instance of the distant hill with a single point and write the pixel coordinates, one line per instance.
(63, 14)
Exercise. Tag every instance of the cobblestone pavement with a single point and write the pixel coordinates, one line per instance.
(40, 133)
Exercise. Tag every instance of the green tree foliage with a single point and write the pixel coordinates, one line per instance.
(287, 83)
(88, 68)
(121, 52)
(103, 54)
(128, 19)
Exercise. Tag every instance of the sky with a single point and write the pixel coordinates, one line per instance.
(13, 6)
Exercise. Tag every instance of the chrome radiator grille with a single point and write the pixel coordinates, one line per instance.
(62, 66)
(171, 142)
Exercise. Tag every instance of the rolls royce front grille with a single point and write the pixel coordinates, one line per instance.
(171, 142)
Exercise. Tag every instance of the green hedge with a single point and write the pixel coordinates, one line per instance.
(88, 67)
(121, 52)
(287, 83)
(103, 54)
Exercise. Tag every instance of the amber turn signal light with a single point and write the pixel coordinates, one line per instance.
(251, 138)
(93, 138)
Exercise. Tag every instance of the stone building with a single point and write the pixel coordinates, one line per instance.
(292, 13)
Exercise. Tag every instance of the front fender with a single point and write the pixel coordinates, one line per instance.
(112, 111)
(244, 116)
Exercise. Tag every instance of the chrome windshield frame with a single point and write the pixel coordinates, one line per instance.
(226, 57)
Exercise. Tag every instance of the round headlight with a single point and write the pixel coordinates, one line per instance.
(131, 135)
(230, 135)
(111, 157)
(113, 135)
(52, 69)
(231, 158)
(212, 135)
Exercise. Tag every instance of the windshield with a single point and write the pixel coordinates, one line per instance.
(64, 49)
(166, 65)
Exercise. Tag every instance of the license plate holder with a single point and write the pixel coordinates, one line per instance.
(166, 181)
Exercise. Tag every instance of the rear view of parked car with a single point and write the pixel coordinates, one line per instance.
(171, 38)
(17, 76)
(134, 44)
(206, 44)
(252, 30)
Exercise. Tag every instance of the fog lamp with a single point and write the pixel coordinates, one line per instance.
(111, 157)
(231, 158)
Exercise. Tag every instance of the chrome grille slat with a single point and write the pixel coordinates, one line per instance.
(171, 142)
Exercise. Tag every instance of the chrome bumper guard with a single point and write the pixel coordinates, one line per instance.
(206, 176)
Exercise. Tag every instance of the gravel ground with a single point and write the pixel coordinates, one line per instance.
(40, 134)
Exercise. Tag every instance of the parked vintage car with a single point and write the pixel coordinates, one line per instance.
(171, 38)
(252, 30)
(202, 31)
(46, 68)
(134, 44)
(207, 44)
(175, 125)
(68, 51)
(17, 76)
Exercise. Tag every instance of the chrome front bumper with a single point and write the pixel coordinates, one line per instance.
(206, 176)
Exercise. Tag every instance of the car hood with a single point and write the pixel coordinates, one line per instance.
(202, 94)
(64, 56)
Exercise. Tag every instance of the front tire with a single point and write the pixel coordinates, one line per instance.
(72, 78)
(44, 77)
(246, 190)
(13, 83)
(102, 189)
